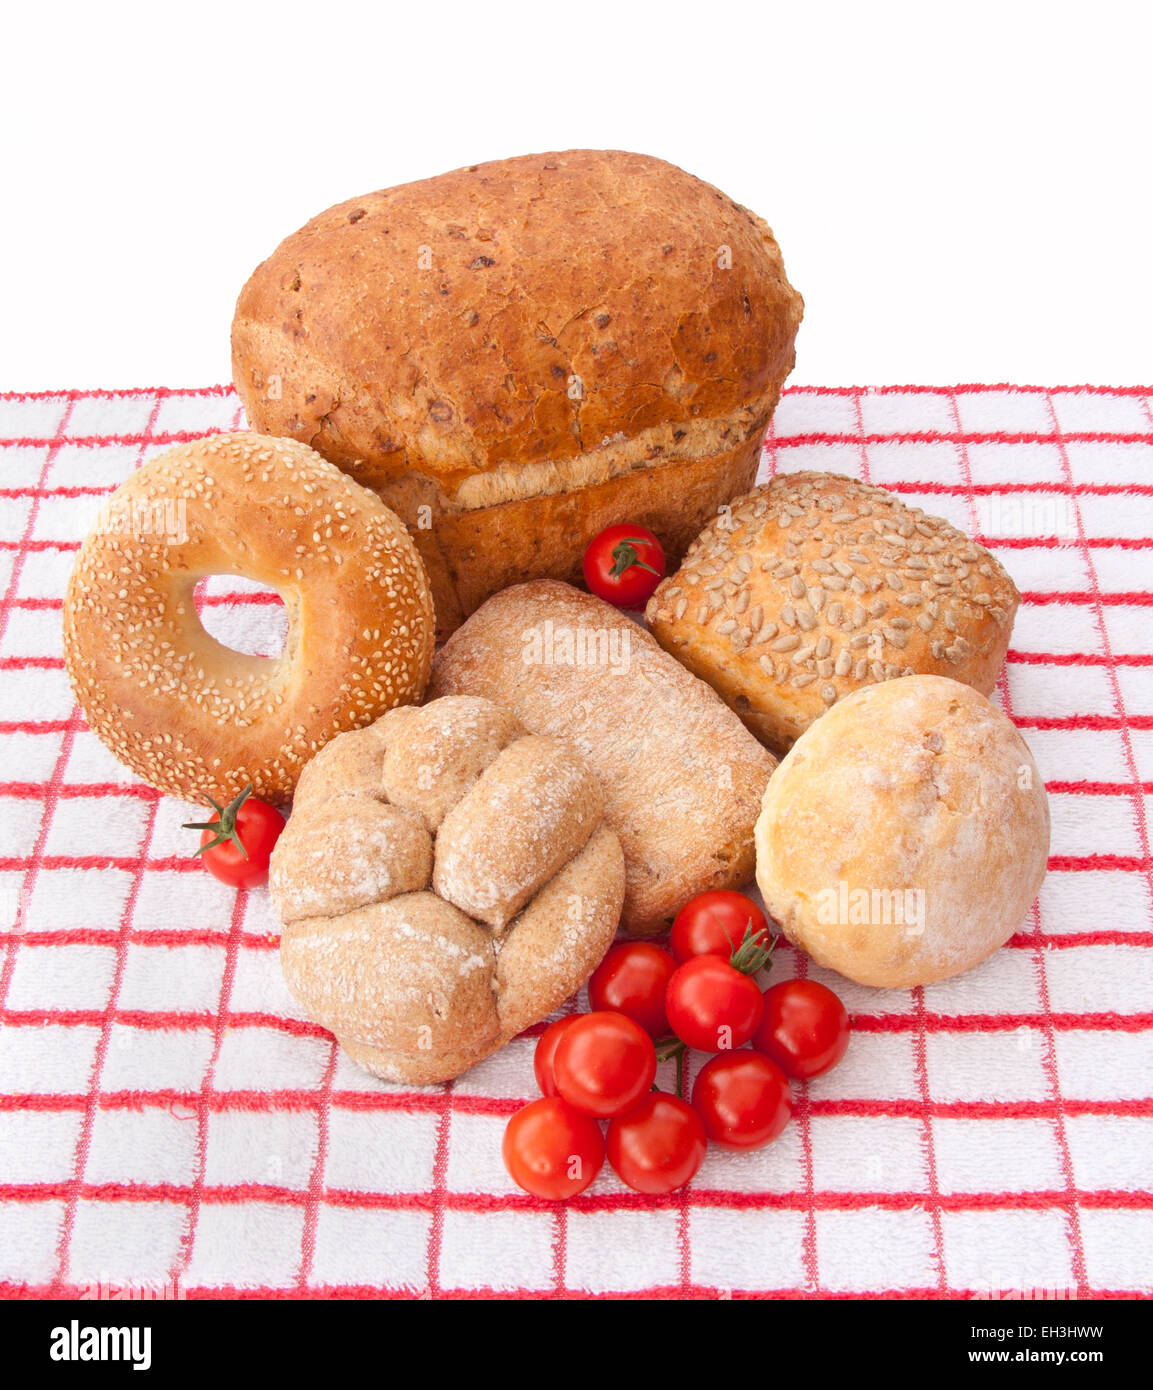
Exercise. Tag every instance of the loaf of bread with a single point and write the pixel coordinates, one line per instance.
(814, 585)
(905, 836)
(682, 778)
(519, 353)
(445, 881)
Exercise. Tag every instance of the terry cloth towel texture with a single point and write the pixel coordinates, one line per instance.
(169, 1122)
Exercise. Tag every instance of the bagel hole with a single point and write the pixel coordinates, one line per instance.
(242, 615)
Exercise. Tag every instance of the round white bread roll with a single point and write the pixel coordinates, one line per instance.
(905, 836)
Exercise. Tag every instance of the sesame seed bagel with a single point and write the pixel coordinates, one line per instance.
(815, 585)
(185, 712)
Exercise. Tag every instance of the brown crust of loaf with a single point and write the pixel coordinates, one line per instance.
(451, 386)
(187, 714)
(815, 585)
(682, 779)
(424, 935)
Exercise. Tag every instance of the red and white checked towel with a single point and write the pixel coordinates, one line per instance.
(167, 1115)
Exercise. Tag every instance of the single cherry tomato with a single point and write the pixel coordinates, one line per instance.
(624, 565)
(632, 980)
(804, 1028)
(604, 1063)
(552, 1150)
(711, 1005)
(237, 842)
(542, 1058)
(743, 1099)
(715, 924)
(658, 1146)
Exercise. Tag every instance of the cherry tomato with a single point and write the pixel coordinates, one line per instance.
(624, 565)
(604, 1063)
(237, 841)
(743, 1099)
(542, 1058)
(658, 1146)
(552, 1150)
(712, 1006)
(632, 980)
(714, 924)
(804, 1028)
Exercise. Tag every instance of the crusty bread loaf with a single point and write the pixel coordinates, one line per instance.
(519, 353)
(445, 881)
(682, 779)
(905, 835)
(814, 585)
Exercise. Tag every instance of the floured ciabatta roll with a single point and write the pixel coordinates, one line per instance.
(682, 778)
(815, 585)
(520, 353)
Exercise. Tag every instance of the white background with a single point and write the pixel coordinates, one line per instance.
(963, 192)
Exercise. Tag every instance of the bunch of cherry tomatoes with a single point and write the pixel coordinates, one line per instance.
(648, 1005)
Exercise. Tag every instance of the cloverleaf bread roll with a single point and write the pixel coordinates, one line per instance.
(520, 353)
(905, 836)
(431, 914)
(682, 779)
(814, 585)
